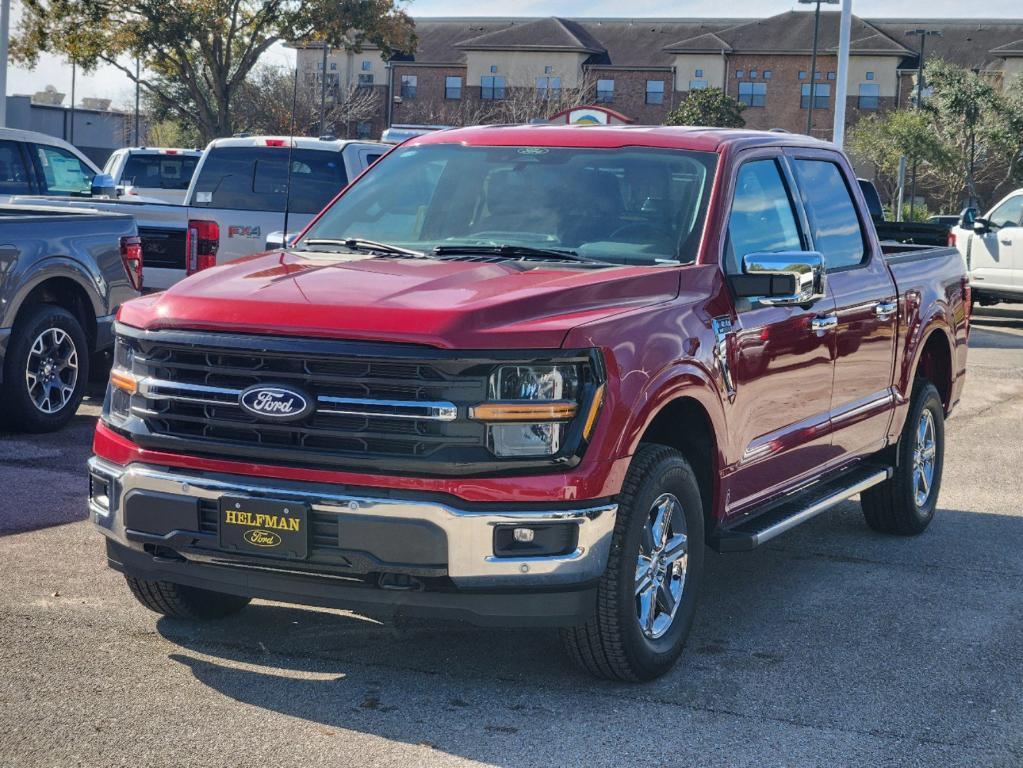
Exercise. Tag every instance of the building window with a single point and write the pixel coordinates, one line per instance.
(365, 81)
(698, 85)
(767, 74)
(753, 74)
(492, 88)
(698, 73)
(367, 65)
(408, 86)
(548, 69)
(605, 91)
(548, 87)
(831, 75)
(802, 74)
(654, 91)
(493, 68)
(870, 96)
(739, 73)
(818, 75)
(452, 88)
(319, 65)
(753, 94)
(333, 66)
(363, 129)
(870, 75)
(821, 96)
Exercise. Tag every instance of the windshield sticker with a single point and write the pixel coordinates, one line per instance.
(533, 150)
(204, 197)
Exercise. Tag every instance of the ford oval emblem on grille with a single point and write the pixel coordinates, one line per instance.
(277, 403)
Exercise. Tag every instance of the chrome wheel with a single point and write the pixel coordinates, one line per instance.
(52, 370)
(661, 566)
(924, 450)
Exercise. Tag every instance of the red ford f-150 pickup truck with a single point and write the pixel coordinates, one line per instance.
(523, 375)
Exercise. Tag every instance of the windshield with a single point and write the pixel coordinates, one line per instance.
(159, 171)
(625, 206)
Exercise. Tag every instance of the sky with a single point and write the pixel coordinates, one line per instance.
(109, 83)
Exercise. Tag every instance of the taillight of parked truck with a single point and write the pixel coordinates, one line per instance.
(951, 239)
(201, 244)
(131, 255)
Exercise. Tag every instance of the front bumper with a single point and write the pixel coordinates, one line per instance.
(445, 555)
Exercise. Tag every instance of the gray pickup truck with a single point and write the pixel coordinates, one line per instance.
(63, 274)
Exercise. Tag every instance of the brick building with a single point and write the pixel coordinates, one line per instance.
(472, 70)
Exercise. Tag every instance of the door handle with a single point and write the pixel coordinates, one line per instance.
(1005, 242)
(885, 309)
(824, 323)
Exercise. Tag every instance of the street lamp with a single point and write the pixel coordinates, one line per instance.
(813, 57)
(923, 34)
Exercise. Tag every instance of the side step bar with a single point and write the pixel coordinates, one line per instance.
(797, 509)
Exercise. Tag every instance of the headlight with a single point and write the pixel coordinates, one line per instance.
(530, 407)
(123, 384)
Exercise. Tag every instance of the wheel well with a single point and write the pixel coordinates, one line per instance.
(935, 365)
(64, 292)
(684, 425)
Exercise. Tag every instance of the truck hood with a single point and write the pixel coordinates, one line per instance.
(441, 303)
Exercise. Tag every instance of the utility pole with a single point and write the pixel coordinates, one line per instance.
(842, 86)
(813, 58)
(5, 33)
(74, 76)
(323, 90)
(138, 75)
(923, 34)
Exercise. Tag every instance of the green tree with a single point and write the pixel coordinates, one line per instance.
(196, 54)
(711, 107)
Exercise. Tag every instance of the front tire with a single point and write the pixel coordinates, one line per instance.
(646, 598)
(905, 503)
(181, 602)
(45, 370)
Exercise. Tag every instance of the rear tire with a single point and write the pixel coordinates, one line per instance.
(905, 503)
(646, 598)
(46, 369)
(181, 602)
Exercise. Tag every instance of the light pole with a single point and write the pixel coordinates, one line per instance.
(813, 57)
(923, 34)
(138, 75)
(323, 89)
(74, 77)
(5, 32)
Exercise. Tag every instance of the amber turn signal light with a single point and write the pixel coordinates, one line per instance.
(124, 381)
(556, 410)
(591, 417)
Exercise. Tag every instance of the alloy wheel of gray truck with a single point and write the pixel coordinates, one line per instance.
(46, 369)
(181, 602)
(905, 503)
(647, 596)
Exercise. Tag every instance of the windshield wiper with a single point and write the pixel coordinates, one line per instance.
(370, 246)
(514, 252)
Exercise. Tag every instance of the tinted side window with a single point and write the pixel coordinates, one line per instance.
(1008, 214)
(13, 173)
(761, 220)
(833, 221)
(65, 174)
(256, 179)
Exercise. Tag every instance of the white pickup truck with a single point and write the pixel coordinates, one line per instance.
(237, 196)
(160, 173)
(992, 246)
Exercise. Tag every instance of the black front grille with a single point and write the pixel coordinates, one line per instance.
(193, 396)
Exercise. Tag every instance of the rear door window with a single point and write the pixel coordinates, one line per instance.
(14, 179)
(256, 179)
(762, 219)
(159, 171)
(835, 227)
(64, 173)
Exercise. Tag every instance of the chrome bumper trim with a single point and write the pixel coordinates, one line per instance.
(470, 536)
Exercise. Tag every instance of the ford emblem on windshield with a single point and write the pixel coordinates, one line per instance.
(278, 403)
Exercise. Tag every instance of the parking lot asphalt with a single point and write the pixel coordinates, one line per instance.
(831, 646)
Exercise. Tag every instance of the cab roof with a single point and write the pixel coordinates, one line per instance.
(615, 136)
(300, 142)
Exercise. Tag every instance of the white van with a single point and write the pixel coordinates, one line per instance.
(157, 173)
(992, 246)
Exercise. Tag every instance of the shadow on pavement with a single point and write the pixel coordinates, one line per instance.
(837, 628)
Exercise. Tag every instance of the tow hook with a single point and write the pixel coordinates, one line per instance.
(400, 582)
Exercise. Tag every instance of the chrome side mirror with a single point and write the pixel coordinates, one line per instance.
(782, 278)
(103, 186)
